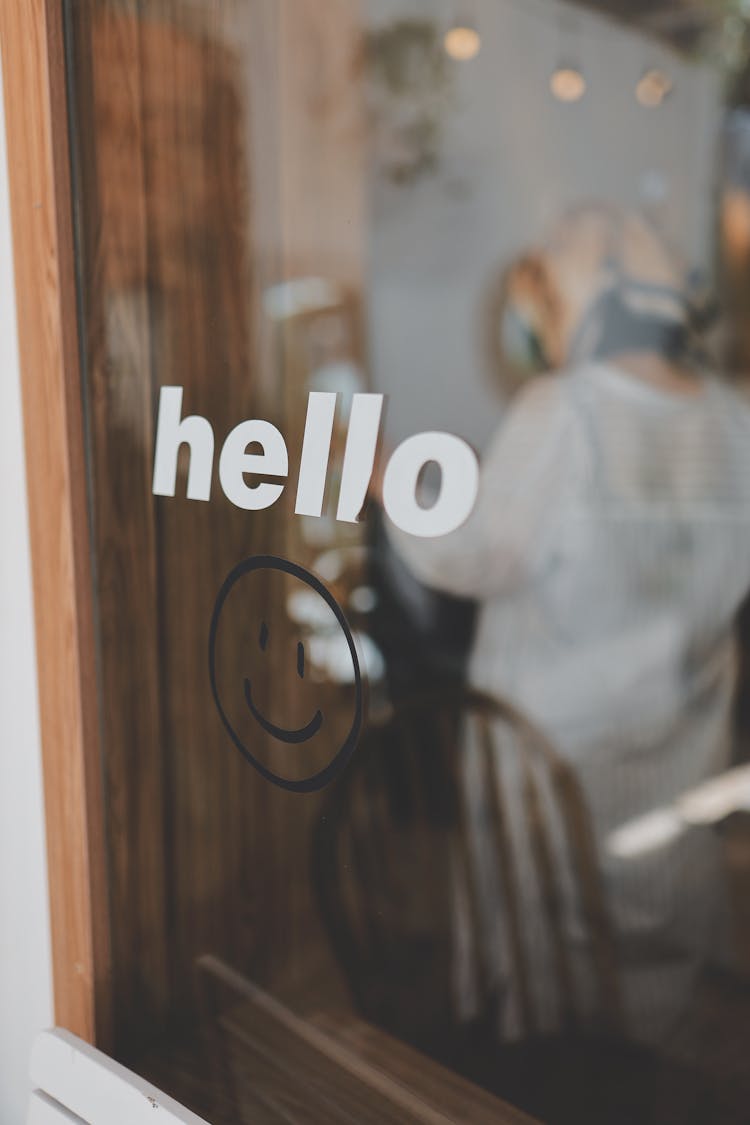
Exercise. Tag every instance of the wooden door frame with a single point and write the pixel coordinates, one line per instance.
(33, 62)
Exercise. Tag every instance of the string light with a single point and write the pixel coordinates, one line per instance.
(567, 84)
(462, 42)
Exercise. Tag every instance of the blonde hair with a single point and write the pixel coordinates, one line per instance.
(591, 245)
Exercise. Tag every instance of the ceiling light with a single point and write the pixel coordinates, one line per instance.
(567, 84)
(462, 42)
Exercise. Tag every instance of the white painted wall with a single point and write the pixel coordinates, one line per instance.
(25, 970)
(512, 160)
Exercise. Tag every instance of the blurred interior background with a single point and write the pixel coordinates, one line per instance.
(279, 196)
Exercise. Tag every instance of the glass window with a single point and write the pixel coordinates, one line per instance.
(415, 343)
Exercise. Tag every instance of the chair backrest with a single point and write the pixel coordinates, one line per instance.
(441, 799)
(78, 1084)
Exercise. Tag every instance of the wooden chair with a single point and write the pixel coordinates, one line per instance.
(396, 842)
(79, 1085)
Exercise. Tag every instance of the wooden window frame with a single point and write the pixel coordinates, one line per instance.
(33, 61)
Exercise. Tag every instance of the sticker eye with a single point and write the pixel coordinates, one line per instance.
(263, 638)
(300, 660)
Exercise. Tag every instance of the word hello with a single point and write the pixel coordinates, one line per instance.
(255, 447)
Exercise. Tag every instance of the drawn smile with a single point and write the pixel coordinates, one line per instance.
(302, 734)
(237, 606)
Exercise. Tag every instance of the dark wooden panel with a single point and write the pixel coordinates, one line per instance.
(209, 169)
(115, 296)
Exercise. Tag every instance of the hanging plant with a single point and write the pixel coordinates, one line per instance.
(409, 84)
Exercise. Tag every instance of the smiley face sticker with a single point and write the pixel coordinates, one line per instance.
(322, 737)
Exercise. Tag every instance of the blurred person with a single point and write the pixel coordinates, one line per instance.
(609, 551)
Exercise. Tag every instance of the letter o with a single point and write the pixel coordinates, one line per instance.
(459, 483)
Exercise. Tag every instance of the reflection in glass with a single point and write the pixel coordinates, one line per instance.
(527, 225)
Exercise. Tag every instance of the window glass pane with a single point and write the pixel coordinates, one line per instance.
(415, 342)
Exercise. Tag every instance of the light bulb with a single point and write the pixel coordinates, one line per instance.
(567, 84)
(462, 43)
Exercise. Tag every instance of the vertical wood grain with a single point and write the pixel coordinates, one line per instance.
(33, 72)
(113, 249)
(194, 138)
